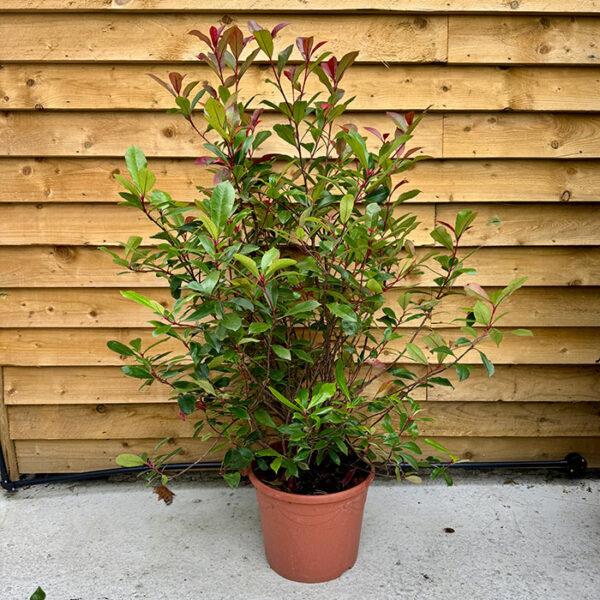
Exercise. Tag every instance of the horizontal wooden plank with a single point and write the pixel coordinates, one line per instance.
(106, 224)
(164, 37)
(97, 307)
(478, 135)
(127, 86)
(521, 136)
(469, 419)
(318, 6)
(107, 385)
(510, 383)
(82, 347)
(530, 224)
(76, 266)
(163, 135)
(96, 224)
(76, 456)
(523, 40)
(57, 180)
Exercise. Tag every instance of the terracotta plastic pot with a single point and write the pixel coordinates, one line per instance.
(311, 538)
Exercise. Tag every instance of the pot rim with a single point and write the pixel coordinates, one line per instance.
(310, 498)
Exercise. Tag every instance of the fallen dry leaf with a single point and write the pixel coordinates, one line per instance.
(164, 493)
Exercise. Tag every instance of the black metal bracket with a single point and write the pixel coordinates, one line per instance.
(573, 464)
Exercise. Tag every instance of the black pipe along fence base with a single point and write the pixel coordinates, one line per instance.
(573, 465)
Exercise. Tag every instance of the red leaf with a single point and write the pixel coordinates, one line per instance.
(163, 83)
(214, 35)
(200, 35)
(278, 28)
(253, 26)
(176, 80)
(236, 41)
(375, 132)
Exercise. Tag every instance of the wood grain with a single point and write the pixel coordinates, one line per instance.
(318, 6)
(563, 224)
(77, 266)
(158, 135)
(97, 87)
(107, 385)
(468, 419)
(56, 180)
(483, 135)
(75, 456)
(8, 445)
(105, 307)
(164, 37)
(523, 40)
(521, 136)
(87, 347)
(515, 383)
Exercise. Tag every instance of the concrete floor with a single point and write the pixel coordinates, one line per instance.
(491, 536)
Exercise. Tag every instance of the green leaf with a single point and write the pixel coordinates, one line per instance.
(346, 207)
(264, 418)
(222, 204)
(482, 313)
(215, 116)
(147, 180)
(282, 352)
(343, 311)
(283, 57)
(232, 479)
(128, 185)
(264, 40)
(248, 263)
(207, 285)
(186, 403)
(268, 257)
(286, 133)
(464, 218)
(135, 161)
(280, 263)
(153, 304)
(39, 594)
(232, 321)
(282, 398)
(120, 348)
(512, 287)
(416, 353)
(439, 381)
(440, 235)
(496, 336)
(209, 225)
(303, 307)
(258, 328)
(374, 286)
(436, 445)
(522, 332)
(130, 460)
(340, 378)
(359, 147)
(487, 363)
(463, 372)
(136, 371)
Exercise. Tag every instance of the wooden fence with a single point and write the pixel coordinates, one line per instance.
(514, 132)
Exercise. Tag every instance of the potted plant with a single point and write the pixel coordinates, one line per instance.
(302, 337)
